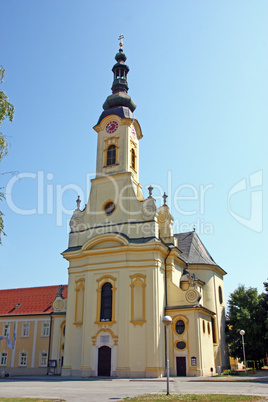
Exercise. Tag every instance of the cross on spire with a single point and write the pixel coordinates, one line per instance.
(121, 37)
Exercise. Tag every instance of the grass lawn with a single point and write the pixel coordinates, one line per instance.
(188, 397)
(29, 400)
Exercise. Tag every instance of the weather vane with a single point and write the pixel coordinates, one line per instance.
(121, 37)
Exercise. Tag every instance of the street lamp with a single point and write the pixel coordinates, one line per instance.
(167, 320)
(242, 333)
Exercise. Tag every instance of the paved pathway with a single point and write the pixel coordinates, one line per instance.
(109, 389)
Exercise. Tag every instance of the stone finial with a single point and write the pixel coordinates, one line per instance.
(78, 202)
(150, 191)
(165, 198)
(60, 290)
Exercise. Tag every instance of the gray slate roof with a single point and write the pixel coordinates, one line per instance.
(193, 250)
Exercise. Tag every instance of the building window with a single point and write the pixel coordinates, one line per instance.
(106, 302)
(6, 331)
(181, 345)
(45, 329)
(133, 156)
(43, 359)
(25, 330)
(208, 328)
(111, 155)
(180, 327)
(23, 359)
(193, 361)
(213, 324)
(220, 295)
(3, 359)
(109, 208)
(204, 327)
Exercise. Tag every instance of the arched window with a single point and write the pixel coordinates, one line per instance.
(220, 295)
(132, 158)
(111, 155)
(106, 302)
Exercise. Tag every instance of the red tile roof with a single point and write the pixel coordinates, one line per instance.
(26, 301)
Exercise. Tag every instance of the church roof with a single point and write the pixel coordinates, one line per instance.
(29, 301)
(193, 250)
(122, 111)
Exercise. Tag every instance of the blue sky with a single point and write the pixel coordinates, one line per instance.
(198, 74)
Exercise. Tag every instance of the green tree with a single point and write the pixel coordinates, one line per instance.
(246, 311)
(265, 306)
(6, 112)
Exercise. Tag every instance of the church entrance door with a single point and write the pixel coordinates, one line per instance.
(181, 366)
(104, 362)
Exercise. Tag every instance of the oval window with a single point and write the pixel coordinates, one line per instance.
(180, 327)
(109, 208)
(181, 345)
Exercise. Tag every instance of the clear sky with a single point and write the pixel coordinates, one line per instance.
(198, 74)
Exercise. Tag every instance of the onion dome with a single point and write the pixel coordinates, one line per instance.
(119, 88)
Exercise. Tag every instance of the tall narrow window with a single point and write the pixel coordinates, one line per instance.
(25, 330)
(6, 330)
(23, 359)
(106, 302)
(43, 359)
(220, 295)
(111, 155)
(3, 358)
(132, 158)
(213, 324)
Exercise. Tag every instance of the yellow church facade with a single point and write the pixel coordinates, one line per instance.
(127, 269)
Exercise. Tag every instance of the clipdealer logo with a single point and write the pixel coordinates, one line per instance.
(186, 200)
(251, 191)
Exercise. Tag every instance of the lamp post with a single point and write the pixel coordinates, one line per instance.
(242, 333)
(167, 320)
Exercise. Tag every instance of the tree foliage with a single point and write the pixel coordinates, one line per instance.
(6, 112)
(246, 310)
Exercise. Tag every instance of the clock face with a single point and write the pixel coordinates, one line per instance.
(111, 127)
(133, 132)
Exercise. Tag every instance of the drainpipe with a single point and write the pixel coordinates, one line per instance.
(166, 298)
(49, 341)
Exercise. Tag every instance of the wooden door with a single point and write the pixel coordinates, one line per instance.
(104, 362)
(181, 366)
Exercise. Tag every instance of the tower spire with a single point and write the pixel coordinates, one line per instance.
(119, 88)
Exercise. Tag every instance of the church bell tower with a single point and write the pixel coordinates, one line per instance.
(118, 130)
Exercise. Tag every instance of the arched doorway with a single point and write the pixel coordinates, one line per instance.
(104, 361)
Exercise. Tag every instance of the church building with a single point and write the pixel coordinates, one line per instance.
(127, 269)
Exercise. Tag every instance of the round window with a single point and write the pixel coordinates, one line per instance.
(180, 327)
(109, 208)
(181, 345)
